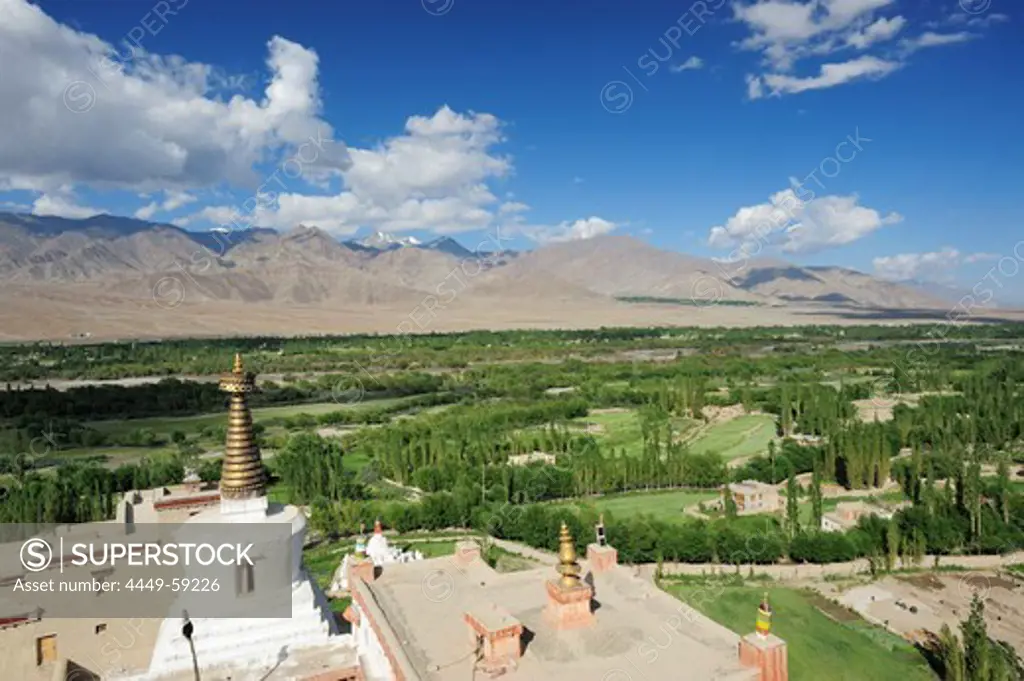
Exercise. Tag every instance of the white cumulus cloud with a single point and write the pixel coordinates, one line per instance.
(932, 39)
(880, 31)
(513, 207)
(861, 68)
(75, 110)
(692, 64)
(173, 200)
(62, 204)
(578, 230)
(934, 266)
(433, 177)
(788, 32)
(792, 225)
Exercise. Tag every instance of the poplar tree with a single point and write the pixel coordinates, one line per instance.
(817, 510)
(1003, 488)
(977, 647)
(730, 504)
(792, 505)
(892, 544)
(952, 655)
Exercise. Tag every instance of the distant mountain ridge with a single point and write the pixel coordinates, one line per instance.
(382, 241)
(307, 266)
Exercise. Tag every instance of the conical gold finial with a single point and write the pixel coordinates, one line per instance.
(242, 469)
(764, 617)
(568, 568)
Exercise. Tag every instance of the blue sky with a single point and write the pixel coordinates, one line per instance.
(676, 122)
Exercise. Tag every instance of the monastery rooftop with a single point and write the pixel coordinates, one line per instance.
(640, 632)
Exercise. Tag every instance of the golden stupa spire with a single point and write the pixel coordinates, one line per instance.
(567, 565)
(242, 470)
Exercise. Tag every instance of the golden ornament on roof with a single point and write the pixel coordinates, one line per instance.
(568, 568)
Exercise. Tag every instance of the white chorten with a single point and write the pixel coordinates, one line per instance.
(248, 646)
(378, 550)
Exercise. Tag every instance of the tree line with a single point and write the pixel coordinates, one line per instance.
(361, 353)
(175, 397)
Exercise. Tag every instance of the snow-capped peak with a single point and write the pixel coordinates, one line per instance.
(386, 239)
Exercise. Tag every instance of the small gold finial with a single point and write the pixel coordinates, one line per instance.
(568, 568)
(764, 617)
(238, 363)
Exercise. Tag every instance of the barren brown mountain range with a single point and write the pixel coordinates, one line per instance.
(112, 277)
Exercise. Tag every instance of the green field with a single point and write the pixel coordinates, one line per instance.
(743, 436)
(621, 429)
(662, 505)
(820, 647)
(186, 424)
(433, 548)
(191, 425)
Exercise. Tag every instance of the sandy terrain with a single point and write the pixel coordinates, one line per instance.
(881, 407)
(942, 599)
(69, 313)
(876, 408)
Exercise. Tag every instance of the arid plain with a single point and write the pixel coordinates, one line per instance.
(69, 313)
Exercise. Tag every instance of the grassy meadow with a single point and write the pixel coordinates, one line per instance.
(741, 437)
(838, 646)
(191, 426)
(620, 428)
(663, 505)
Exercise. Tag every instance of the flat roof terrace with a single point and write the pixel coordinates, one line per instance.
(640, 632)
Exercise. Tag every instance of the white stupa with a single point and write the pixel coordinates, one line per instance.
(378, 550)
(250, 647)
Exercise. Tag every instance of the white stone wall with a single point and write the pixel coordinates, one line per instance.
(372, 657)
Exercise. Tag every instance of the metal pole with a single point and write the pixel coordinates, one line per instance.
(187, 629)
(195, 660)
